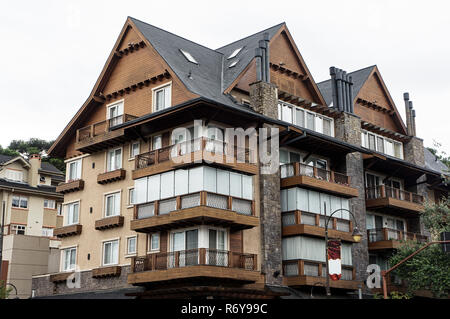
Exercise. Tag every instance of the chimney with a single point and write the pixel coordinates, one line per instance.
(414, 121)
(342, 90)
(35, 163)
(408, 114)
(262, 56)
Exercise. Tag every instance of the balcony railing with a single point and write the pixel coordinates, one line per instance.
(386, 234)
(299, 169)
(304, 218)
(103, 127)
(166, 206)
(194, 257)
(202, 144)
(383, 191)
(294, 268)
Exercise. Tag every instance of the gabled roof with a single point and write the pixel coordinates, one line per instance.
(433, 163)
(48, 167)
(45, 166)
(5, 158)
(359, 77)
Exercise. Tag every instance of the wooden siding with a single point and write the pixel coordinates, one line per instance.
(110, 177)
(67, 231)
(68, 187)
(105, 272)
(317, 231)
(110, 222)
(321, 185)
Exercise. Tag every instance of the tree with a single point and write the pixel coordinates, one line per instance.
(8, 152)
(441, 155)
(4, 290)
(430, 269)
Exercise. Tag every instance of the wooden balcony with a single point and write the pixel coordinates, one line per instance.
(303, 223)
(110, 177)
(194, 264)
(202, 150)
(398, 201)
(106, 272)
(97, 136)
(195, 209)
(60, 277)
(298, 174)
(297, 273)
(70, 186)
(109, 223)
(385, 238)
(67, 231)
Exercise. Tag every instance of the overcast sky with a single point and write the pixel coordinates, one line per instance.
(53, 51)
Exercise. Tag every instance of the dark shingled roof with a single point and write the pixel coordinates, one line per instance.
(5, 158)
(211, 76)
(45, 166)
(434, 164)
(25, 186)
(359, 78)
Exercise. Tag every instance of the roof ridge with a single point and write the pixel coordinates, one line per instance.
(176, 35)
(277, 25)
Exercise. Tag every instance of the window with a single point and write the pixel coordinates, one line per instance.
(72, 213)
(233, 64)
(114, 114)
(189, 57)
(287, 157)
(47, 232)
(20, 202)
(372, 142)
(14, 175)
(157, 142)
(287, 113)
(398, 150)
(112, 205)
(49, 203)
(42, 179)
(310, 121)
(327, 127)
(18, 229)
(131, 245)
(235, 53)
(162, 97)
(111, 253)
(69, 257)
(299, 117)
(59, 209)
(153, 242)
(114, 160)
(381, 144)
(74, 170)
(134, 150)
(131, 197)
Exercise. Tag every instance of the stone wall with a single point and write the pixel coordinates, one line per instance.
(42, 286)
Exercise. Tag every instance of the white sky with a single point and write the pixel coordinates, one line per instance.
(53, 51)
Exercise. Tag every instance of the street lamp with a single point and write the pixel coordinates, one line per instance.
(357, 236)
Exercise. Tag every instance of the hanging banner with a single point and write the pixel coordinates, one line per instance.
(334, 259)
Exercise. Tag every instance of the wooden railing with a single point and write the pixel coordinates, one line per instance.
(299, 169)
(294, 268)
(202, 144)
(166, 206)
(385, 234)
(304, 218)
(194, 257)
(383, 191)
(103, 127)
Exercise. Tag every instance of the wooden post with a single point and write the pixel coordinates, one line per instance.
(315, 172)
(156, 157)
(385, 233)
(177, 259)
(133, 264)
(230, 259)
(350, 226)
(154, 262)
(298, 217)
(203, 198)
(334, 223)
(178, 202)
(332, 177)
(255, 264)
(253, 208)
(230, 202)
(353, 273)
(318, 220)
(320, 270)
(156, 207)
(301, 267)
(400, 235)
(135, 212)
(382, 191)
(296, 169)
(202, 256)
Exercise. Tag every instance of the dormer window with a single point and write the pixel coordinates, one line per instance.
(234, 54)
(234, 63)
(14, 175)
(162, 97)
(189, 56)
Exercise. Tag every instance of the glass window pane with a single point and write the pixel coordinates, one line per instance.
(287, 113)
(247, 187)
(380, 144)
(292, 199)
(223, 182)
(294, 157)
(302, 200)
(284, 200)
(300, 117)
(191, 239)
(327, 127)
(236, 185)
(310, 119)
(157, 142)
(372, 142)
(167, 185)
(153, 185)
(284, 157)
(181, 182)
(155, 241)
(314, 202)
(209, 179)
(196, 180)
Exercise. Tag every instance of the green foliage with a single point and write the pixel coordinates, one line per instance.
(436, 217)
(32, 146)
(429, 270)
(441, 155)
(393, 295)
(8, 152)
(57, 162)
(4, 291)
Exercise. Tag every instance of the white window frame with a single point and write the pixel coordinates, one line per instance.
(59, 209)
(120, 111)
(53, 207)
(131, 155)
(365, 143)
(21, 199)
(63, 258)
(127, 248)
(67, 210)
(14, 175)
(131, 197)
(105, 203)
(47, 232)
(110, 241)
(15, 229)
(79, 163)
(150, 250)
(157, 89)
(153, 142)
(108, 164)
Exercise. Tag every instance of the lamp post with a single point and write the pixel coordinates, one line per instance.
(357, 236)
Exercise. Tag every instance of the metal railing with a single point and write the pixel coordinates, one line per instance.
(213, 200)
(294, 268)
(193, 257)
(299, 169)
(385, 234)
(383, 191)
(202, 144)
(102, 127)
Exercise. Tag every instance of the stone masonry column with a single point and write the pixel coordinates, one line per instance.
(264, 100)
(348, 129)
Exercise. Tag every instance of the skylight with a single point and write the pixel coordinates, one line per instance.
(233, 64)
(235, 53)
(189, 57)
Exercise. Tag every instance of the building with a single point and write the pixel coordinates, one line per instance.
(178, 212)
(32, 211)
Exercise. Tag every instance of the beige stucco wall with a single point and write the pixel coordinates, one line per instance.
(16, 166)
(27, 256)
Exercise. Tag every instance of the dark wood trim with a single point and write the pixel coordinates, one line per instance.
(72, 186)
(110, 177)
(68, 231)
(104, 272)
(109, 222)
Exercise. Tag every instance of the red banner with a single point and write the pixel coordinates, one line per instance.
(334, 260)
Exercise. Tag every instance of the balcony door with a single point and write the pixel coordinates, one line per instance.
(372, 183)
(186, 243)
(216, 254)
(114, 114)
